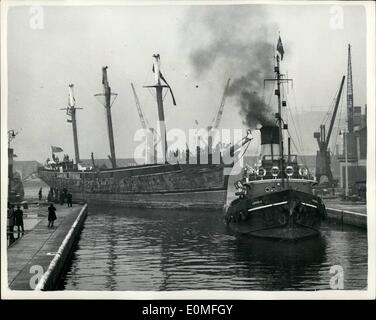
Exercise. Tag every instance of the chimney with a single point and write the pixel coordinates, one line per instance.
(270, 141)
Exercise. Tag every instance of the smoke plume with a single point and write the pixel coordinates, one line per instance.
(233, 40)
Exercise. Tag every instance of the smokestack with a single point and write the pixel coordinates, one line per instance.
(270, 140)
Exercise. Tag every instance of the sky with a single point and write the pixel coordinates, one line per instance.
(73, 43)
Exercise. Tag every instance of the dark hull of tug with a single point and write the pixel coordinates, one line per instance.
(284, 215)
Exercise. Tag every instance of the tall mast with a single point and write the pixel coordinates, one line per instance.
(280, 78)
(159, 88)
(107, 104)
(71, 111)
(161, 117)
(350, 97)
(279, 116)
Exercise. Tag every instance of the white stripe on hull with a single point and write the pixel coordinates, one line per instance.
(268, 206)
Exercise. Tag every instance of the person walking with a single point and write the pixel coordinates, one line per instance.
(69, 199)
(18, 214)
(40, 194)
(51, 215)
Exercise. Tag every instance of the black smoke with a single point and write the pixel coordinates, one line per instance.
(235, 39)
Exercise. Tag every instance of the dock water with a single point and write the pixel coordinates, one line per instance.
(36, 260)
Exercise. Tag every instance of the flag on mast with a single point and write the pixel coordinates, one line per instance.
(56, 149)
(280, 48)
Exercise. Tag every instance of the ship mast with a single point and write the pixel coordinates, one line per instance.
(108, 104)
(71, 111)
(159, 88)
(280, 78)
(279, 117)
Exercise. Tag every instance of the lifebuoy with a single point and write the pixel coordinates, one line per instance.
(303, 171)
(275, 171)
(261, 172)
(289, 171)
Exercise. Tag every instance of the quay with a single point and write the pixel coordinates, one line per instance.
(350, 213)
(37, 259)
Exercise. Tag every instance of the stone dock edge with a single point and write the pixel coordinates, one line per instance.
(348, 217)
(52, 276)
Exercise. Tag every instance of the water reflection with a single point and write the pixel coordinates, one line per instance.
(280, 265)
(112, 256)
(128, 249)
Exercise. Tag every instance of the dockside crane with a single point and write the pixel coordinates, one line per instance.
(218, 117)
(216, 121)
(323, 154)
(144, 122)
(350, 95)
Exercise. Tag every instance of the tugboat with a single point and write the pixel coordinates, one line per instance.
(275, 198)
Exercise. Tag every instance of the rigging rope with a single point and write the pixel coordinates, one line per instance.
(299, 146)
(331, 109)
(296, 129)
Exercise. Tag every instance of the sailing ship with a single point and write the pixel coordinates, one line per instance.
(275, 199)
(188, 184)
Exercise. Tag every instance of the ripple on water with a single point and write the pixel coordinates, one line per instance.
(130, 249)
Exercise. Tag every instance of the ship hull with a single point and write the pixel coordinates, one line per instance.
(197, 200)
(285, 215)
(188, 186)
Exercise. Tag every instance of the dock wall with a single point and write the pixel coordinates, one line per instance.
(348, 217)
(52, 276)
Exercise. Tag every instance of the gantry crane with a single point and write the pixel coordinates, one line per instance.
(323, 154)
(350, 95)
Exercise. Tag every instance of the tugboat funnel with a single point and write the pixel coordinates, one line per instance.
(270, 140)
